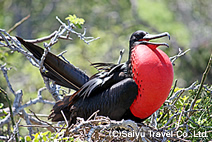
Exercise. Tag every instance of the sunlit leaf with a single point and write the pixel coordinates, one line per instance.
(75, 20)
(28, 138)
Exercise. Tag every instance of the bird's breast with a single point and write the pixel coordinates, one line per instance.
(153, 73)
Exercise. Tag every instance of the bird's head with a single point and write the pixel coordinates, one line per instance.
(142, 37)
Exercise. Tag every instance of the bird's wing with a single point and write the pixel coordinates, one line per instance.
(61, 72)
(103, 66)
(102, 81)
(112, 102)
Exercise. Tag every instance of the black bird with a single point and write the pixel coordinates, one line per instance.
(114, 90)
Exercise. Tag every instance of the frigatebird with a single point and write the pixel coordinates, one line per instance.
(131, 90)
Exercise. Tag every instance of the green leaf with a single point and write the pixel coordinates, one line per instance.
(46, 133)
(1, 105)
(28, 138)
(75, 20)
(36, 140)
(198, 101)
(45, 138)
(35, 135)
(21, 139)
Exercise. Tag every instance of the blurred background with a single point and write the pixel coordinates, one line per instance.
(188, 22)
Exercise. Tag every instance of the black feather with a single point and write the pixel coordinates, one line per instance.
(58, 70)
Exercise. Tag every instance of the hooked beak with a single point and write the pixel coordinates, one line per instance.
(150, 36)
(147, 37)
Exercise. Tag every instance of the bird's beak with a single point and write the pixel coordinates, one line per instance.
(146, 40)
(150, 36)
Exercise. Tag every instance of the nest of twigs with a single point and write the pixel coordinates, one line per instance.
(101, 128)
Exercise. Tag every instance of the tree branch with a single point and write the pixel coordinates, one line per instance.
(18, 23)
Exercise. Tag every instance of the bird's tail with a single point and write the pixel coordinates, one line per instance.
(61, 72)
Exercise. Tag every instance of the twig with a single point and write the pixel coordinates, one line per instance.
(14, 45)
(4, 138)
(176, 114)
(41, 126)
(4, 70)
(64, 118)
(61, 55)
(11, 112)
(48, 38)
(36, 122)
(153, 122)
(192, 86)
(120, 56)
(94, 114)
(19, 107)
(178, 124)
(41, 63)
(18, 23)
(181, 53)
(201, 83)
(174, 86)
(50, 125)
(26, 118)
(15, 131)
(52, 88)
(70, 29)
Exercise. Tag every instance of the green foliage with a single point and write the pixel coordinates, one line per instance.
(47, 136)
(1, 105)
(3, 56)
(178, 113)
(75, 20)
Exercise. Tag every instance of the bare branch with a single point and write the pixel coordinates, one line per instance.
(18, 23)
(120, 56)
(181, 53)
(19, 107)
(70, 27)
(44, 121)
(4, 70)
(28, 122)
(4, 138)
(48, 38)
(15, 132)
(201, 83)
(11, 112)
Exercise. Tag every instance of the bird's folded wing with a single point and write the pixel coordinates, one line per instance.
(113, 102)
(62, 73)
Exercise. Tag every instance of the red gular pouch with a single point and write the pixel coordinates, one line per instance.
(153, 73)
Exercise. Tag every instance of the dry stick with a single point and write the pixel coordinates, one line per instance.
(48, 38)
(18, 23)
(38, 40)
(15, 131)
(11, 112)
(4, 70)
(172, 91)
(28, 122)
(120, 56)
(64, 118)
(201, 84)
(94, 114)
(176, 114)
(41, 126)
(38, 123)
(178, 124)
(50, 125)
(181, 53)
